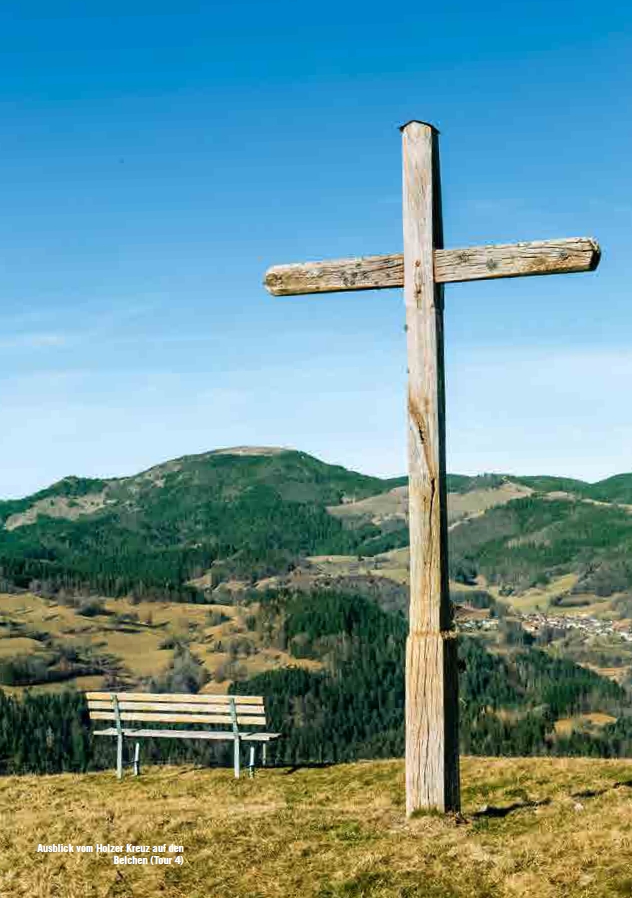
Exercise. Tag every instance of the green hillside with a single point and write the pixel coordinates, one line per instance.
(613, 489)
(350, 705)
(249, 514)
(511, 696)
(547, 484)
(529, 541)
(303, 567)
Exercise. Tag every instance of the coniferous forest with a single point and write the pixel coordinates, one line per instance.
(186, 529)
(354, 706)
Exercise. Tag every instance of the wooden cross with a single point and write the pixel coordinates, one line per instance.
(432, 748)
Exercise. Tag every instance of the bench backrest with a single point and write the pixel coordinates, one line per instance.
(238, 711)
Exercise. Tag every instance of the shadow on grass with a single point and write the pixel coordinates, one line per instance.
(313, 765)
(595, 793)
(492, 811)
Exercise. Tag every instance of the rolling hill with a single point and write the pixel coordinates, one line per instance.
(269, 570)
(249, 513)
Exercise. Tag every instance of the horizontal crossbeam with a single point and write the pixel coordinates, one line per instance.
(450, 266)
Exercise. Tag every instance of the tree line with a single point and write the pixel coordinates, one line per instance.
(351, 708)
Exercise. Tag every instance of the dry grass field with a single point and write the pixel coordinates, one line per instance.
(393, 505)
(137, 638)
(530, 827)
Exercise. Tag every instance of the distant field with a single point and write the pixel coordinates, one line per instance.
(531, 828)
(392, 565)
(565, 725)
(540, 598)
(475, 502)
(393, 505)
(135, 641)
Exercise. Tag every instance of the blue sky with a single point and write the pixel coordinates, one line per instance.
(155, 160)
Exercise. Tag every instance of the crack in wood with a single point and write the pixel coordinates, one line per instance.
(449, 266)
(419, 428)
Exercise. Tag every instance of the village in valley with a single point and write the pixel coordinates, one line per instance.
(538, 623)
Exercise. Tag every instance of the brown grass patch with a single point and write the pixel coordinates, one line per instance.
(135, 643)
(532, 827)
(593, 720)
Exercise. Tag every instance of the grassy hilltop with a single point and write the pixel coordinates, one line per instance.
(531, 828)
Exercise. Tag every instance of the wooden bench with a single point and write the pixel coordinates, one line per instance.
(237, 713)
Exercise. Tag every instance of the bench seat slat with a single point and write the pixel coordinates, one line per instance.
(187, 734)
(178, 718)
(195, 699)
(169, 707)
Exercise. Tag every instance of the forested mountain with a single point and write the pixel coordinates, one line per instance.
(248, 514)
(251, 513)
(353, 705)
(291, 579)
(530, 541)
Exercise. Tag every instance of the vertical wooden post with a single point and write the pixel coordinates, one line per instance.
(432, 757)
(137, 759)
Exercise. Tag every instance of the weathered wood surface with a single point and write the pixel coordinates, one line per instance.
(451, 266)
(190, 717)
(146, 707)
(226, 735)
(166, 707)
(176, 697)
(432, 762)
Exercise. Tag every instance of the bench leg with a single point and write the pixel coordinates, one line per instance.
(137, 759)
(251, 762)
(237, 759)
(119, 756)
(264, 753)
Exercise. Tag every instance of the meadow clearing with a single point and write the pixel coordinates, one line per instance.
(530, 827)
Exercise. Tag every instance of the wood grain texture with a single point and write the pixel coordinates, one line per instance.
(223, 736)
(147, 717)
(168, 707)
(432, 756)
(451, 266)
(432, 773)
(176, 697)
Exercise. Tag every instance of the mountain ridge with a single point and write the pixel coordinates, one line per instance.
(277, 572)
(253, 512)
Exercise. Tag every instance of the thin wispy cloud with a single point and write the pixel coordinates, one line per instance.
(133, 323)
(36, 340)
(111, 325)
